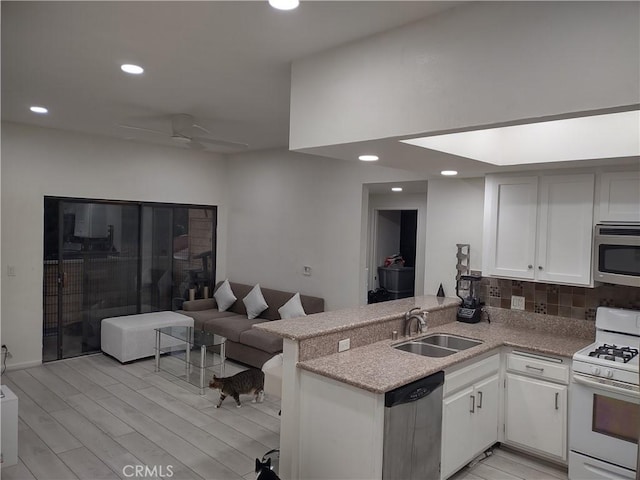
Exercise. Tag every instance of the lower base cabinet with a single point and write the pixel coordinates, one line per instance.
(470, 416)
(535, 415)
(535, 404)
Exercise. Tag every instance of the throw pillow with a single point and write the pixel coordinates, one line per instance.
(255, 303)
(224, 296)
(293, 308)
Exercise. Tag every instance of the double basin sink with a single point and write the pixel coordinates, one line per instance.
(437, 345)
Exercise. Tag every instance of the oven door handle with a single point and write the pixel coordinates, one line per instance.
(584, 380)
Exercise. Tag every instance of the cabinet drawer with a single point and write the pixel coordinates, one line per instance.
(466, 376)
(538, 367)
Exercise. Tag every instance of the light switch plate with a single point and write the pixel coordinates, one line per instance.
(306, 270)
(517, 302)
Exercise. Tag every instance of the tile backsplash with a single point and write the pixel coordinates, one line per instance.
(560, 300)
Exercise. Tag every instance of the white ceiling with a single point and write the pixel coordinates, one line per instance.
(226, 63)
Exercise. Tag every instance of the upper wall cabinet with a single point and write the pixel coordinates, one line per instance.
(620, 197)
(539, 227)
(511, 205)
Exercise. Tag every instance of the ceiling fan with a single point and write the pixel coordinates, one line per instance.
(183, 127)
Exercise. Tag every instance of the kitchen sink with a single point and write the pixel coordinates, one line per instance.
(425, 349)
(450, 341)
(437, 345)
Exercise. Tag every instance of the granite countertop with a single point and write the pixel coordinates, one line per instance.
(380, 368)
(339, 320)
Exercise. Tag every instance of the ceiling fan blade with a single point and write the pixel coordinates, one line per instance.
(200, 127)
(222, 143)
(133, 127)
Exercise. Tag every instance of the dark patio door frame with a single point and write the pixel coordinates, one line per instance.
(61, 274)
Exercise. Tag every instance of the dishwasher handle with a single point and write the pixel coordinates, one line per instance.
(414, 391)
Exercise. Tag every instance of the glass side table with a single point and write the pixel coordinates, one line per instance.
(178, 359)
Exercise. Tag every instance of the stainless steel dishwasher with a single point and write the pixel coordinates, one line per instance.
(412, 430)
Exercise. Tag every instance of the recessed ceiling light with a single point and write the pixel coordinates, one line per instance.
(368, 158)
(396, 189)
(132, 69)
(37, 109)
(449, 173)
(284, 4)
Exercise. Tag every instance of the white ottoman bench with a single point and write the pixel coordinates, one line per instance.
(132, 337)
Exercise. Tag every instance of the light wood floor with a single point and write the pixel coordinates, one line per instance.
(505, 464)
(91, 417)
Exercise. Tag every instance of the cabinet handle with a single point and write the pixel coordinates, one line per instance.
(529, 267)
(539, 267)
(473, 404)
(538, 369)
(557, 396)
(479, 399)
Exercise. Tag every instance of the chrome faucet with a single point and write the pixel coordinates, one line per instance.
(421, 321)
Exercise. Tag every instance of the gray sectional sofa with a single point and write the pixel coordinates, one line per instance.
(245, 344)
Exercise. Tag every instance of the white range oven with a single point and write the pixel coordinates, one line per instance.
(604, 421)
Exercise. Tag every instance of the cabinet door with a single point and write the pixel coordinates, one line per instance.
(486, 414)
(566, 229)
(457, 429)
(620, 197)
(535, 415)
(510, 226)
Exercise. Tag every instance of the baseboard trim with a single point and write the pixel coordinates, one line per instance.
(23, 365)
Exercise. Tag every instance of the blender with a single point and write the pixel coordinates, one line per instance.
(470, 311)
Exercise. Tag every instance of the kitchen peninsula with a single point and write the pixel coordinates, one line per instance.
(353, 382)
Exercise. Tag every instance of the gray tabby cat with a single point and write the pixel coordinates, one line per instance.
(246, 382)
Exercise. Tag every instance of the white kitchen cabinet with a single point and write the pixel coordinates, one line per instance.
(619, 197)
(535, 408)
(535, 415)
(470, 415)
(539, 227)
(511, 205)
(565, 229)
(487, 398)
(457, 423)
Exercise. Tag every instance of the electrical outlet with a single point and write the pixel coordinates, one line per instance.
(344, 345)
(11, 271)
(517, 302)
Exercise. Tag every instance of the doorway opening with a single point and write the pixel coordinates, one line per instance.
(395, 254)
(395, 232)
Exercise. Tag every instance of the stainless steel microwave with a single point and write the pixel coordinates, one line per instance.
(617, 254)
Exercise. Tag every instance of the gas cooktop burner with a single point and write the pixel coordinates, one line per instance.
(614, 353)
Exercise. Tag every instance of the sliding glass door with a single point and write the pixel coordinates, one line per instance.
(106, 259)
(178, 255)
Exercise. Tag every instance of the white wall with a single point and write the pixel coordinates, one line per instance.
(288, 210)
(278, 211)
(476, 64)
(455, 214)
(38, 162)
